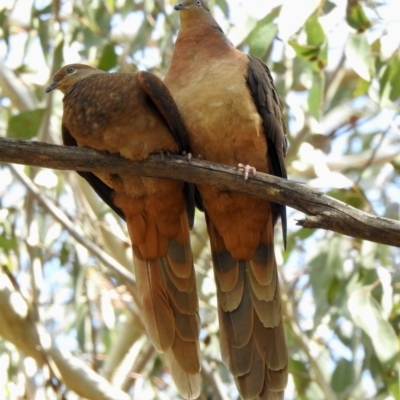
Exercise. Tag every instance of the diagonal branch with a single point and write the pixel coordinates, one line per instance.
(126, 277)
(18, 325)
(321, 211)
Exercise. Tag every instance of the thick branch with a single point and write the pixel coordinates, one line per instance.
(324, 211)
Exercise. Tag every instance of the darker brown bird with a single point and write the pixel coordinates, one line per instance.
(134, 115)
(233, 115)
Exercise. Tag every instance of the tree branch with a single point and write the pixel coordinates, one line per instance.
(18, 325)
(322, 211)
(126, 277)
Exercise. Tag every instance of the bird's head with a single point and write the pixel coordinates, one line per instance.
(194, 13)
(69, 75)
(192, 7)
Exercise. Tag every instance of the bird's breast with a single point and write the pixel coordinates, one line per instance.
(220, 114)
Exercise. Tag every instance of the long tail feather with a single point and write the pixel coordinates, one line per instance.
(252, 338)
(169, 302)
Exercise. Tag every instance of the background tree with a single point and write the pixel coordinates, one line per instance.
(67, 318)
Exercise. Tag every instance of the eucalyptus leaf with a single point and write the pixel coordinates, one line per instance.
(315, 32)
(26, 124)
(262, 35)
(343, 376)
(240, 32)
(316, 95)
(306, 52)
(109, 58)
(359, 55)
(367, 315)
(356, 17)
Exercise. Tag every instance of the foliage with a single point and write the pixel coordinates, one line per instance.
(337, 68)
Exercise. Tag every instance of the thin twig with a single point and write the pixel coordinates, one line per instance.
(303, 342)
(63, 219)
(373, 154)
(211, 376)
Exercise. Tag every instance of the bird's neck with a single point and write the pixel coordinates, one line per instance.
(197, 40)
(200, 29)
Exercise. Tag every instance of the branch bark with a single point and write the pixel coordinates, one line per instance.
(321, 211)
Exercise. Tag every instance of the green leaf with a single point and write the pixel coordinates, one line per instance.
(390, 80)
(108, 59)
(343, 376)
(90, 14)
(92, 41)
(359, 56)
(385, 84)
(58, 59)
(367, 315)
(261, 38)
(7, 242)
(361, 88)
(110, 4)
(316, 95)
(356, 17)
(321, 279)
(327, 7)
(240, 32)
(393, 382)
(395, 78)
(316, 37)
(368, 257)
(300, 375)
(306, 52)
(334, 260)
(333, 290)
(223, 5)
(352, 196)
(148, 6)
(26, 124)
(4, 24)
(43, 33)
(293, 16)
(262, 35)
(310, 53)
(314, 31)
(103, 17)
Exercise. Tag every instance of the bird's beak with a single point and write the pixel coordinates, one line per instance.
(179, 7)
(51, 87)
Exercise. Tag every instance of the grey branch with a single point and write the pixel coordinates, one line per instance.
(321, 211)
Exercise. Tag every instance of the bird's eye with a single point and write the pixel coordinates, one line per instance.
(71, 70)
(198, 3)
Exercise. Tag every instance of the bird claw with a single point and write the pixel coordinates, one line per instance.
(163, 154)
(189, 156)
(247, 169)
